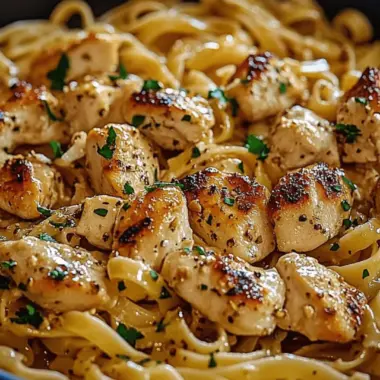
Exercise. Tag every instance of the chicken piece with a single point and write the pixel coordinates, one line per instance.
(94, 102)
(27, 118)
(91, 53)
(264, 86)
(26, 184)
(301, 138)
(171, 118)
(56, 276)
(308, 207)
(241, 298)
(229, 211)
(319, 303)
(97, 221)
(119, 160)
(359, 118)
(154, 225)
(365, 178)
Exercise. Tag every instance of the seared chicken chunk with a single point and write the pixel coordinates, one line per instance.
(241, 298)
(359, 119)
(229, 211)
(98, 218)
(30, 116)
(308, 207)
(119, 160)
(91, 53)
(170, 117)
(301, 138)
(26, 184)
(56, 276)
(91, 102)
(155, 224)
(265, 86)
(319, 303)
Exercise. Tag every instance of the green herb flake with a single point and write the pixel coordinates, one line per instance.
(28, 315)
(200, 250)
(257, 147)
(283, 88)
(186, 118)
(8, 264)
(128, 189)
(334, 247)
(336, 188)
(161, 326)
(101, 212)
(241, 167)
(121, 286)
(244, 81)
(229, 201)
(58, 75)
(44, 211)
(50, 113)
(45, 237)
(4, 282)
(123, 357)
(218, 93)
(187, 250)
(108, 149)
(151, 84)
(137, 120)
(363, 101)
(130, 335)
(164, 294)
(161, 185)
(204, 287)
(345, 205)
(195, 152)
(56, 148)
(209, 220)
(349, 183)
(347, 223)
(126, 206)
(22, 287)
(123, 73)
(58, 274)
(365, 273)
(67, 223)
(234, 106)
(212, 362)
(153, 274)
(349, 131)
(143, 361)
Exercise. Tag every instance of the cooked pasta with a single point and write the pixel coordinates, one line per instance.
(189, 190)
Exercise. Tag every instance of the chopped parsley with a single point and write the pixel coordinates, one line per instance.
(336, 188)
(200, 250)
(151, 84)
(212, 361)
(123, 73)
(101, 212)
(161, 185)
(4, 282)
(161, 326)
(123, 357)
(44, 211)
(153, 274)
(108, 149)
(28, 315)
(128, 189)
(58, 75)
(244, 81)
(130, 335)
(241, 166)
(58, 274)
(363, 101)
(67, 223)
(229, 201)
(219, 94)
(345, 205)
(137, 120)
(56, 148)
(50, 113)
(186, 118)
(22, 287)
(350, 131)
(187, 250)
(126, 206)
(45, 237)
(283, 88)
(195, 152)
(349, 183)
(209, 220)
(204, 287)
(347, 223)
(164, 294)
(257, 147)
(121, 286)
(156, 175)
(234, 106)
(334, 247)
(8, 264)
(365, 273)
